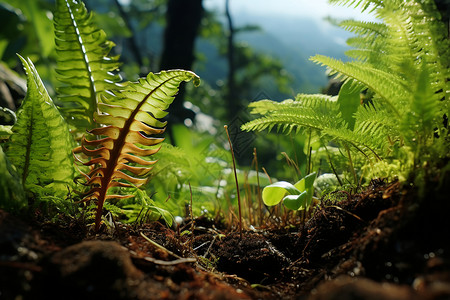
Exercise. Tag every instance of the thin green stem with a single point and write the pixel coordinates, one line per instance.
(237, 184)
(352, 168)
(332, 166)
(258, 187)
(191, 211)
(308, 166)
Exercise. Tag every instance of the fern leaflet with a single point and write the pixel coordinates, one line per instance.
(307, 111)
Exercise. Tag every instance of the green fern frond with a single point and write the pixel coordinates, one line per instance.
(306, 101)
(419, 123)
(364, 28)
(307, 111)
(431, 45)
(40, 146)
(364, 4)
(389, 87)
(361, 143)
(403, 47)
(412, 34)
(405, 61)
(371, 121)
(368, 45)
(84, 68)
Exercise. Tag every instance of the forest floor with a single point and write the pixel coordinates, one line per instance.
(381, 243)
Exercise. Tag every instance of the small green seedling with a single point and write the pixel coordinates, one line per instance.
(294, 196)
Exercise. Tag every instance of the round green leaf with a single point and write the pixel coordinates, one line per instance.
(274, 193)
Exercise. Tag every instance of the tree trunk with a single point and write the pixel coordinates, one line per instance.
(132, 39)
(233, 103)
(183, 20)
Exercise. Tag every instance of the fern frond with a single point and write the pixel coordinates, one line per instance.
(364, 4)
(369, 43)
(84, 68)
(419, 122)
(371, 121)
(40, 146)
(364, 28)
(389, 87)
(412, 34)
(432, 45)
(307, 111)
(402, 46)
(132, 118)
(344, 136)
(321, 113)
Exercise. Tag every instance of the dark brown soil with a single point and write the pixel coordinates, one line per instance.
(382, 243)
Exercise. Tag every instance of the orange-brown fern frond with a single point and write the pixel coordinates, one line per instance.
(131, 119)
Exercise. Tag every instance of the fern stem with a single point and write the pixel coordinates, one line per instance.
(191, 211)
(352, 168)
(258, 191)
(235, 178)
(295, 152)
(332, 166)
(308, 166)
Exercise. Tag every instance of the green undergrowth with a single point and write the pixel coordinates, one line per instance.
(390, 119)
(98, 154)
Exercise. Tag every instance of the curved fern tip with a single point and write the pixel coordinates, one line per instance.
(20, 57)
(196, 80)
(191, 75)
(26, 62)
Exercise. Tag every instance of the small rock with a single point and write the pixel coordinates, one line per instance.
(95, 268)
